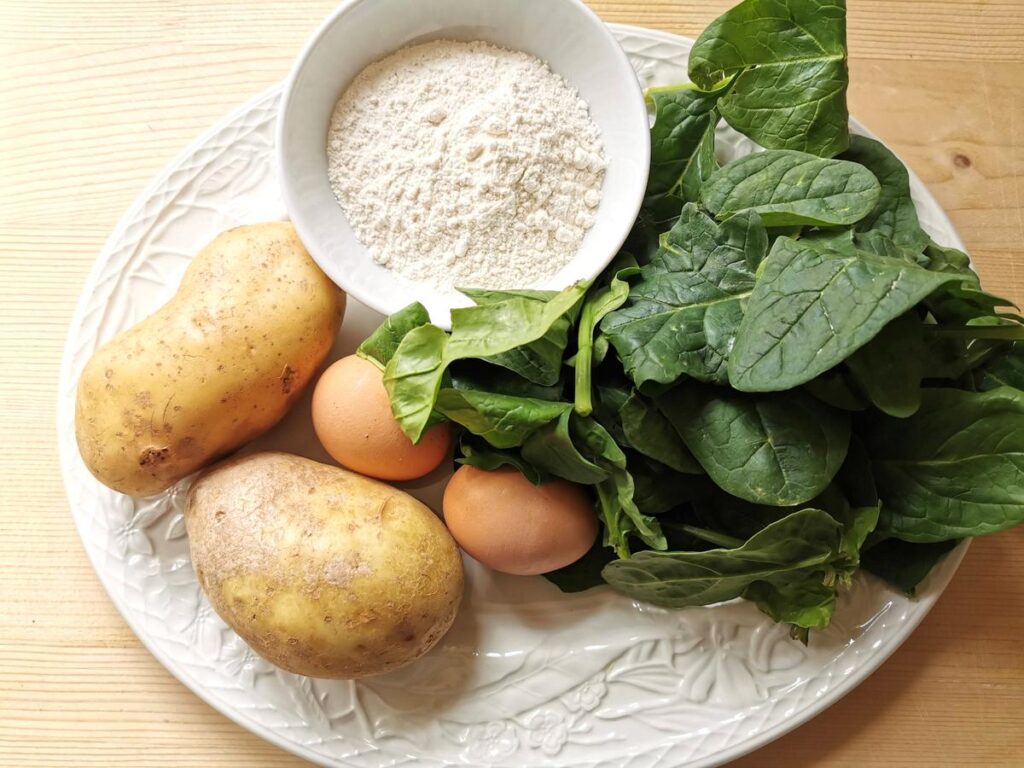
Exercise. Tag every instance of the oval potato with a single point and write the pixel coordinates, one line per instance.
(322, 571)
(215, 367)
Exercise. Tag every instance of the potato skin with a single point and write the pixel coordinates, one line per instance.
(322, 571)
(215, 367)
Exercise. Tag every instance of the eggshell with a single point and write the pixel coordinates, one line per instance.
(504, 521)
(352, 418)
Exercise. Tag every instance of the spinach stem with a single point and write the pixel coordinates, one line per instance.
(584, 404)
(712, 537)
(654, 90)
(995, 332)
(649, 93)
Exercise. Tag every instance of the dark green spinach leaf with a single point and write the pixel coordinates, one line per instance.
(812, 308)
(477, 453)
(682, 148)
(657, 488)
(683, 312)
(889, 368)
(647, 431)
(894, 216)
(788, 58)
(580, 450)
(837, 389)
(501, 420)
(552, 450)
(789, 188)
(802, 542)
(953, 469)
(1006, 370)
(778, 450)
(904, 564)
(585, 573)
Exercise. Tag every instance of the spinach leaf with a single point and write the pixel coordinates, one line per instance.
(940, 258)
(657, 488)
(954, 469)
(682, 314)
(481, 375)
(539, 361)
(836, 388)
(682, 148)
(413, 376)
(1004, 371)
(552, 450)
(501, 420)
(580, 450)
(477, 453)
(610, 399)
(596, 306)
(616, 502)
(792, 188)
(805, 600)
(788, 58)
(889, 368)
(647, 431)
(855, 480)
(953, 358)
(778, 450)
(381, 345)
(959, 301)
(851, 505)
(858, 524)
(802, 542)
(812, 308)
(585, 573)
(904, 564)
(600, 447)
(894, 215)
(849, 242)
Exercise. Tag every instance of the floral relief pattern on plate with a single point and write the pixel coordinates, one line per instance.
(527, 676)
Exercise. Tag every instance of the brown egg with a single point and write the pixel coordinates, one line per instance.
(352, 417)
(501, 519)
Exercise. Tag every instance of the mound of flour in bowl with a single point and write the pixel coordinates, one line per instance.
(465, 164)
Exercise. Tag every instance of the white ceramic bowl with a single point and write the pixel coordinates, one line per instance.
(564, 33)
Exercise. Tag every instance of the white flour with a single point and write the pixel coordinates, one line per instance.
(464, 164)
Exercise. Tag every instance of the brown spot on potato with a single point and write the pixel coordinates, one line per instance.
(961, 160)
(288, 379)
(405, 632)
(151, 457)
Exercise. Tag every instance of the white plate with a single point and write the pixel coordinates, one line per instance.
(527, 676)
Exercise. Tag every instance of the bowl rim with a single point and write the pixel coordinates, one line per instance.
(380, 304)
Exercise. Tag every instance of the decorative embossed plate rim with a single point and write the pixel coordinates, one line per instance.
(174, 622)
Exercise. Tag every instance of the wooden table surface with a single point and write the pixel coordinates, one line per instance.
(97, 95)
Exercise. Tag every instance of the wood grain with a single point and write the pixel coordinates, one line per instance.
(98, 95)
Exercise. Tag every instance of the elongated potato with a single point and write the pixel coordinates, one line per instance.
(215, 367)
(322, 571)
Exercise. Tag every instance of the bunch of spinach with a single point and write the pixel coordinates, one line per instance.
(780, 380)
